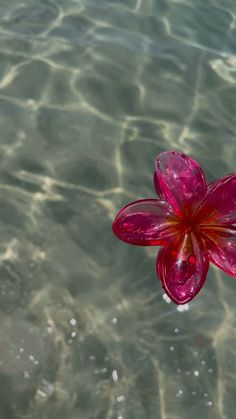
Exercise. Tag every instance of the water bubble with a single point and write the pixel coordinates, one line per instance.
(196, 373)
(115, 375)
(73, 322)
(183, 307)
(166, 298)
(179, 393)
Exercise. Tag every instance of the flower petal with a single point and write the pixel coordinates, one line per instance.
(221, 248)
(148, 222)
(219, 205)
(182, 268)
(180, 181)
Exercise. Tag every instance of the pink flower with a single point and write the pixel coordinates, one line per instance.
(193, 221)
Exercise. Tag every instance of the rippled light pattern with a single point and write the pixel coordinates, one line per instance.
(192, 221)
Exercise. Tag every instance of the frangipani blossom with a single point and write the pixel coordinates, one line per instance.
(195, 224)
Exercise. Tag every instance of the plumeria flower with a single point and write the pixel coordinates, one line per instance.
(195, 224)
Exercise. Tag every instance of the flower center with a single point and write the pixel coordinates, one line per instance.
(189, 225)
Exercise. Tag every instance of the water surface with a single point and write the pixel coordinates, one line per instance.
(90, 93)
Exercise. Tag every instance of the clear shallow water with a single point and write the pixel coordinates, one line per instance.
(90, 93)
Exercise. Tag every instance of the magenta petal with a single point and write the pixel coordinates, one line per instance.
(148, 222)
(182, 268)
(221, 249)
(219, 205)
(180, 181)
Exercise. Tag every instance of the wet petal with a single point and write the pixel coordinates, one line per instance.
(219, 205)
(180, 181)
(182, 268)
(221, 248)
(148, 222)
(211, 184)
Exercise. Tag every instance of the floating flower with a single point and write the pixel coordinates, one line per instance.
(193, 221)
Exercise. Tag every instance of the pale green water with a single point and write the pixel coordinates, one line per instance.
(90, 93)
